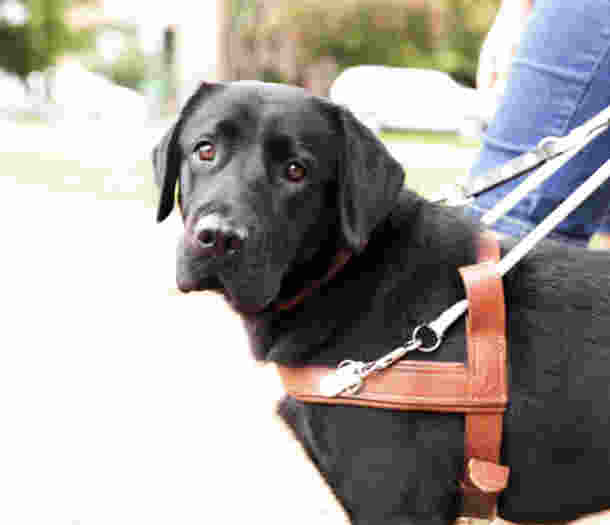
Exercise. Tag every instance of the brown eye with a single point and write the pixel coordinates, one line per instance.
(295, 172)
(206, 151)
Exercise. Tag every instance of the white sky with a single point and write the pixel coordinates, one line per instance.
(159, 14)
(197, 32)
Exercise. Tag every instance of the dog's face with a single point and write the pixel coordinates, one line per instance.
(271, 183)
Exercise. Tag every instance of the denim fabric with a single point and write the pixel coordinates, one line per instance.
(560, 77)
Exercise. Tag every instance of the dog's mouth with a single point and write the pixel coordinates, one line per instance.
(293, 286)
(299, 282)
(257, 288)
(214, 284)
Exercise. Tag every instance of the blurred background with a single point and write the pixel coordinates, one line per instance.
(52, 50)
(112, 410)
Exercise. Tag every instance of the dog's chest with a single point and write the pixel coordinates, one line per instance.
(361, 451)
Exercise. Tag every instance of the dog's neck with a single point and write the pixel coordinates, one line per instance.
(340, 259)
(406, 275)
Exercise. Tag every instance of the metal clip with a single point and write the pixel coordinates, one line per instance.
(347, 378)
(350, 375)
(548, 146)
(552, 146)
(389, 359)
(438, 337)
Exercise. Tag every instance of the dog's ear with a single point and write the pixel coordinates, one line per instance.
(166, 163)
(370, 180)
(167, 157)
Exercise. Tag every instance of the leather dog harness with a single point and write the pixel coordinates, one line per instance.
(478, 389)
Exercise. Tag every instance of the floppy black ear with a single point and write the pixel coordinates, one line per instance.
(166, 162)
(369, 181)
(167, 156)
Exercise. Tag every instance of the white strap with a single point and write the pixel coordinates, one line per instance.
(351, 374)
(534, 180)
(548, 148)
(585, 190)
(447, 318)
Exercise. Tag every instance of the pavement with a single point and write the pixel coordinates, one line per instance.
(441, 156)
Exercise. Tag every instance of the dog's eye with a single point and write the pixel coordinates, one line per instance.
(206, 151)
(295, 172)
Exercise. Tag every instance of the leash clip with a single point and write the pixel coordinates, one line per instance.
(551, 146)
(349, 376)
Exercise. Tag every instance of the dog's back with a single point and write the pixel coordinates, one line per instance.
(556, 428)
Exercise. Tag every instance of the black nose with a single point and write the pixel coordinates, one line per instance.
(213, 235)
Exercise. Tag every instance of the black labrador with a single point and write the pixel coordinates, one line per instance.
(273, 183)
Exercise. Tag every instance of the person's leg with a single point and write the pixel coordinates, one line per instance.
(560, 78)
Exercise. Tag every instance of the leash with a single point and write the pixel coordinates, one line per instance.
(549, 148)
(350, 375)
(480, 390)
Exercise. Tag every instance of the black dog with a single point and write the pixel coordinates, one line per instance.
(273, 184)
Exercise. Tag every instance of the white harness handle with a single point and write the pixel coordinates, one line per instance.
(584, 134)
(351, 374)
(440, 325)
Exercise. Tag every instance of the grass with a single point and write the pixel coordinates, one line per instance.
(64, 175)
(68, 176)
(61, 174)
(430, 137)
(429, 181)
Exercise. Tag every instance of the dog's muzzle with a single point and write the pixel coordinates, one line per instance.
(211, 256)
(213, 236)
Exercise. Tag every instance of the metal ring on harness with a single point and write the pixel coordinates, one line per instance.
(437, 338)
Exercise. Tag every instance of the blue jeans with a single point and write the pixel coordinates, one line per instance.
(560, 77)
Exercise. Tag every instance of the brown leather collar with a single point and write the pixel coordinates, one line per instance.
(339, 261)
(478, 389)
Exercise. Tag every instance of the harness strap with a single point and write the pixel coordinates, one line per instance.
(484, 478)
(479, 390)
(557, 149)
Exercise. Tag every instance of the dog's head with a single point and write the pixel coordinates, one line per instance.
(271, 182)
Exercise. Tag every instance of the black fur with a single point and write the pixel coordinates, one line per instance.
(385, 466)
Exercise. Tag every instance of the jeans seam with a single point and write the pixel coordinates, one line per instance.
(555, 71)
(499, 144)
(586, 89)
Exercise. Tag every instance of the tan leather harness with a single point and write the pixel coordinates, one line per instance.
(478, 389)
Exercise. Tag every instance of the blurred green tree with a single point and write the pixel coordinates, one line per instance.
(35, 43)
(375, 32)
(131, 68)
(466, 25)
(440, 34)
